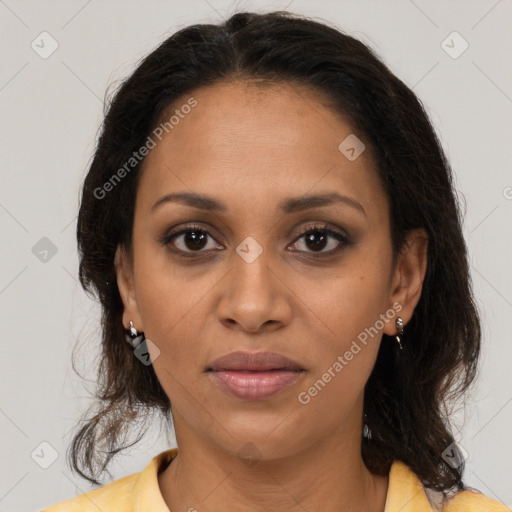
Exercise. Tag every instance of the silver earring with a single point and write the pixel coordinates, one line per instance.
(133, 337)
(400, 328)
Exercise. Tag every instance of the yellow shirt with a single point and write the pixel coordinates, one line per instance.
(140, 492)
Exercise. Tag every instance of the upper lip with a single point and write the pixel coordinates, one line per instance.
(253, 361)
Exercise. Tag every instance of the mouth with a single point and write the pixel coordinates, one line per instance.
(254, 376)
(253, 361)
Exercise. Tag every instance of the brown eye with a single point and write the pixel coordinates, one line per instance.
(190, 239)
(194, 240)
(317, 238)
(315, 241)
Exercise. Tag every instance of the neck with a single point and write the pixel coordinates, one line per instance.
(327, 476)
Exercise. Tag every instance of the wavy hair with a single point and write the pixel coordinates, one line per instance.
(408, 394)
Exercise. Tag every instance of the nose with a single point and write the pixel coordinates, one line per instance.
(255, 297)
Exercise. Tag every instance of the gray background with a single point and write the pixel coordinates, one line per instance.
(51, 111)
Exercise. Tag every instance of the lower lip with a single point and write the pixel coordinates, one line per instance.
(254, 385)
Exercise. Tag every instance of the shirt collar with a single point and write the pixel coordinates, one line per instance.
(406, 492)
(147, 496)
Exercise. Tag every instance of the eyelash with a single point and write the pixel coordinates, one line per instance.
(305, 231)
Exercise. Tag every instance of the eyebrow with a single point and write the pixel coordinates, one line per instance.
(288, 205)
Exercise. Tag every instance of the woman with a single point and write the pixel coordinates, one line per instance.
(270, 225)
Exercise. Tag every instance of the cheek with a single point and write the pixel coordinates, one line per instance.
(169, 295)
(347, 311)
(171, 305)
(343, 361)
(174, 316)
(352, 299)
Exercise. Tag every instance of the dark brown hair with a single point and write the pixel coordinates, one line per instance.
(407, 397)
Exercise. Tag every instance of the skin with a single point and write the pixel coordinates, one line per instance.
(252, 147)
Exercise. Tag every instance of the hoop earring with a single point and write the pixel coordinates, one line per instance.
(400, 328)
(133, 337)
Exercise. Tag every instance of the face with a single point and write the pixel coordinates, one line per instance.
(254, 276)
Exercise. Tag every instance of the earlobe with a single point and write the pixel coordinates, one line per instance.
(409, 275)
(126, 287)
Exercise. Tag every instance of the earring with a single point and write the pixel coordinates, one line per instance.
(400, 328)
(133, 337)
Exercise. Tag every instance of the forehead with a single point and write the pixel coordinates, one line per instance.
(247, 143)
(245, 115)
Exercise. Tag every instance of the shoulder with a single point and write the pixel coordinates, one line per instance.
(472, 500)
(138, 491)
(117, 495)
(407, 492)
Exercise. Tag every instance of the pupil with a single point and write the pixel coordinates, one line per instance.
(195, 239)
(317, 239)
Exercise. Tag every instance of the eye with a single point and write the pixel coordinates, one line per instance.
(194, 239)
(316, 238)
(190, 239)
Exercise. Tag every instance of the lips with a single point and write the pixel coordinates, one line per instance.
(254, 376)
(259, 361)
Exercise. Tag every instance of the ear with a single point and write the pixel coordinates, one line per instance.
(408, 276)
(125, 283)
